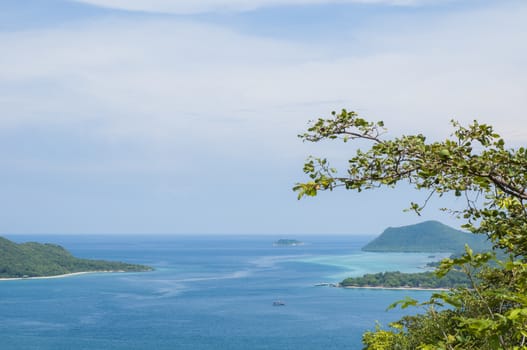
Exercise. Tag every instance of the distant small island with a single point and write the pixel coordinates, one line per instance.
(32, 260)
(287, 242)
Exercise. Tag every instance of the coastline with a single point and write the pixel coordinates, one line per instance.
(72, 274)
(397, 288)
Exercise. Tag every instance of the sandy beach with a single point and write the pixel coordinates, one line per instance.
(56, 276)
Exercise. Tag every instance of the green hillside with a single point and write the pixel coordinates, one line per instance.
(398, 279)
(38, 260)
(428, 236)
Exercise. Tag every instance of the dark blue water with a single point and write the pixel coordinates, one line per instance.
(206, 293)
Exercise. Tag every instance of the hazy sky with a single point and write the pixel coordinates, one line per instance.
(181, 116)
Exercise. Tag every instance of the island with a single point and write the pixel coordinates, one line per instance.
(31, 260)
(427, 237)
(420, 280)
(424, 237)
(288, 242)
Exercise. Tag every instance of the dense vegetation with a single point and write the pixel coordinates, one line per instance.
(412, 280)
(37, 260)
(428, 236)
(288, 242)
(473, 164)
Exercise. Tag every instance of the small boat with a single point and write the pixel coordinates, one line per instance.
(278, 303)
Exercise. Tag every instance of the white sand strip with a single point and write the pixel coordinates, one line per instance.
(56, 276)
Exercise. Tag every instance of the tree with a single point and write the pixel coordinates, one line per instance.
(474, 162)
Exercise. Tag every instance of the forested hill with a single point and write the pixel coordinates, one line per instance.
(428, 236)
(38, 260)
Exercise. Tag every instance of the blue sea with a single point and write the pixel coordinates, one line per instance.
(207, 292)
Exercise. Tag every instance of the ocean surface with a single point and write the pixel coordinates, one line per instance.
(207, 292)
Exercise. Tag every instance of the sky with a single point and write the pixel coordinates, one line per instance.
(182, 116)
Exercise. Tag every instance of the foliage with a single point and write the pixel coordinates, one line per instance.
(415, 280)
(428, 236)
(35, 260)
(474, 163)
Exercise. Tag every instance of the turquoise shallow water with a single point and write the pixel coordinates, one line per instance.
(211, 292)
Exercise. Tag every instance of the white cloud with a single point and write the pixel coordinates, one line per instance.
(192, 6)
(196, 113)
(184, 85)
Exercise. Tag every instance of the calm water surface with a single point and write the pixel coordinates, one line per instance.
(211, 292)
